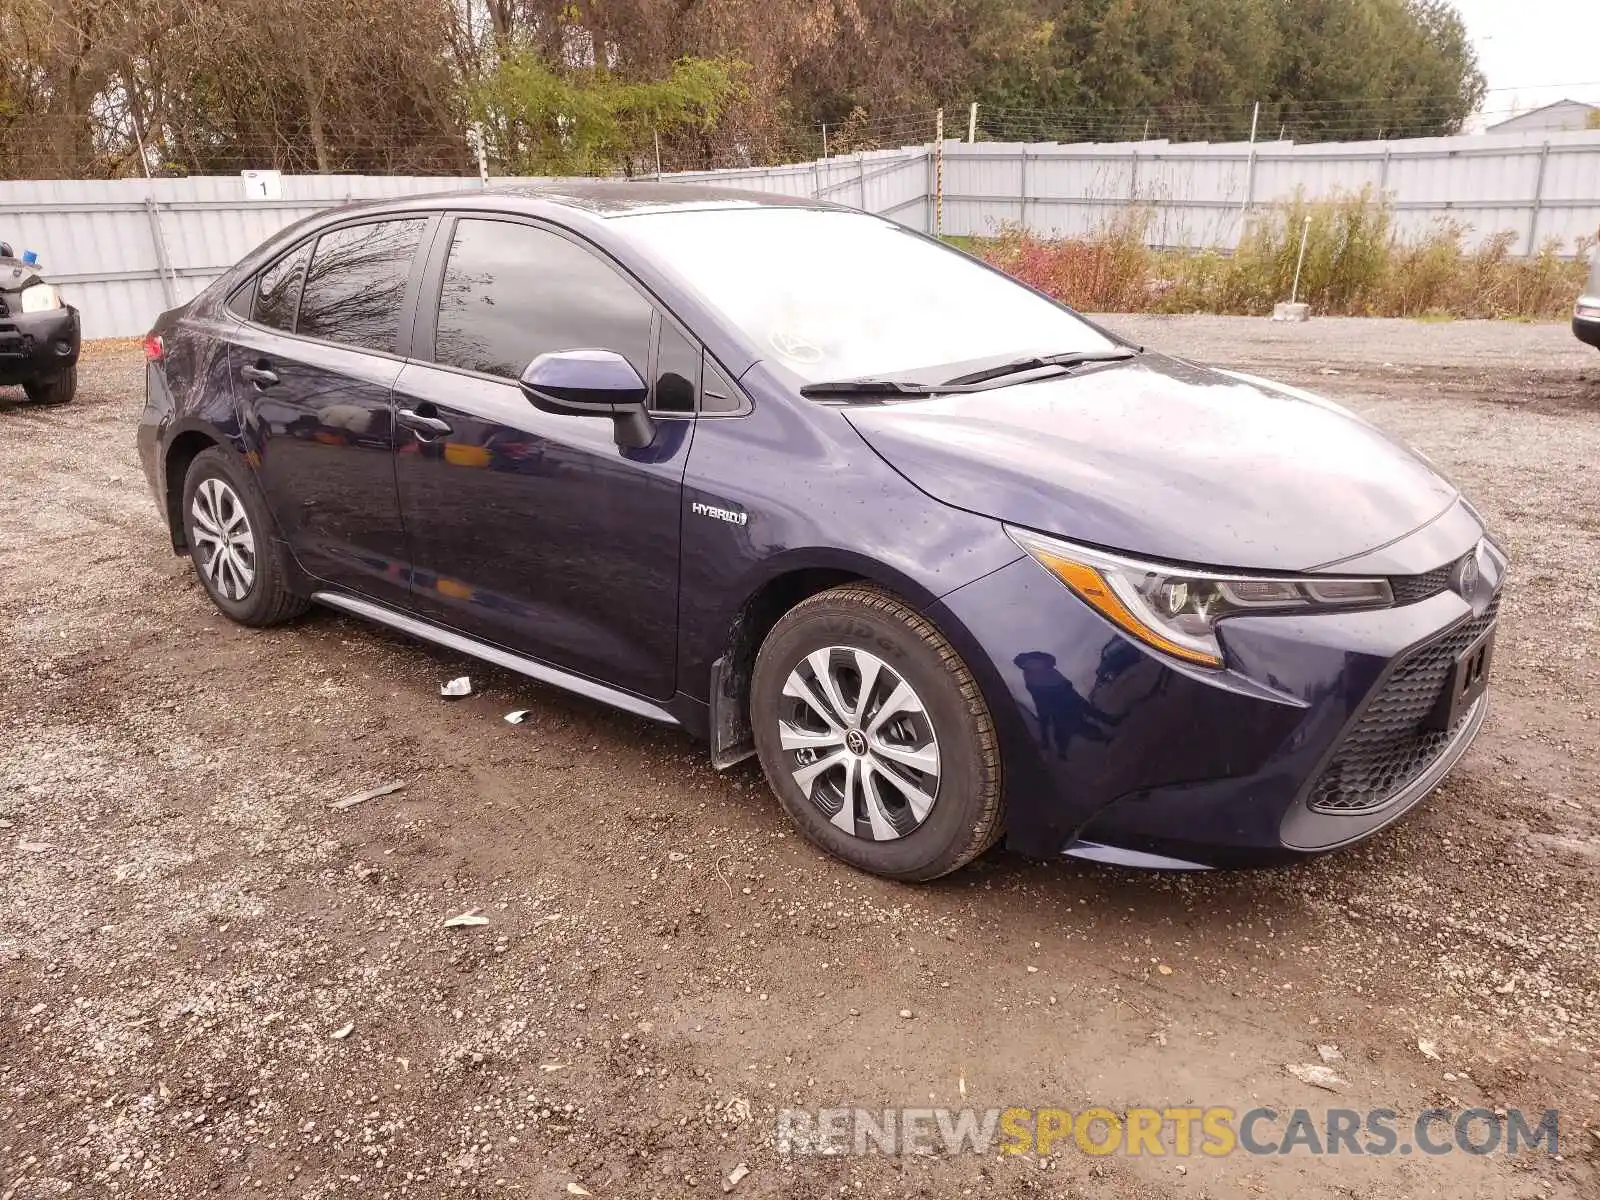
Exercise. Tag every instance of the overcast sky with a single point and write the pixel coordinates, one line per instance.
(1535, 51)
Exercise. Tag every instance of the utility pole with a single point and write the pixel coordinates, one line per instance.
(476, 132)
(1250, 170)
(133, 115)
(938, 173)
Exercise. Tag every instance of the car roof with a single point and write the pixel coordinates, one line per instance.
(573, 202)
(586, 207)
(601, 198)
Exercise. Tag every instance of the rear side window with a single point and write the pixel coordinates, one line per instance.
(513, 292)
(356, 285)
(278, 290)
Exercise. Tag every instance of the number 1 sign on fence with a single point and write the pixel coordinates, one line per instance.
(262, 185)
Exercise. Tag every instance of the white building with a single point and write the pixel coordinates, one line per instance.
(1561, 117)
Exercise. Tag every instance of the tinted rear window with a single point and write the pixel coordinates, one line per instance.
(278, 290)
(356, 286)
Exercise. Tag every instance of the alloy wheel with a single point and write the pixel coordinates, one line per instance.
(859, 744)
(222, 536)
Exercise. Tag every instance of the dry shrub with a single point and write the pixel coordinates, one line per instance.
(1356, 264)
(1111, 271)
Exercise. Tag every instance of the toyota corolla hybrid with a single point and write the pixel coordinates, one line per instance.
(956, 564)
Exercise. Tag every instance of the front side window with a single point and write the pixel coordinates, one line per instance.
(843, 295)
(512, 292)
(677, 372)
(717, 392)
(278, 290)
(356, 285)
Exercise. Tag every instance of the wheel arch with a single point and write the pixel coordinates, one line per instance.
(788, 581)
(186, 441)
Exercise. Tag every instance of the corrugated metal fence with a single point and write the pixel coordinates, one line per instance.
(124, 250)
(1200, 195)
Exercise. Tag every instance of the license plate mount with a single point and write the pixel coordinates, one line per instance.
(1469, 678)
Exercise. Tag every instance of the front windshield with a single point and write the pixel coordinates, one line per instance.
(841, 295)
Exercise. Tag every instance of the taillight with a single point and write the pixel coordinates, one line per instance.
(154, 348)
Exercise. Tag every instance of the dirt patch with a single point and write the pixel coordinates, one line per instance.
(185, 925)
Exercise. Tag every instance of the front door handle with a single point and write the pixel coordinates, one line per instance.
(424, 427)
(259, 376)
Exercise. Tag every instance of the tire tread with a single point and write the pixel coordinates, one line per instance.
(989, 825)
(58, 389)
(278, 602)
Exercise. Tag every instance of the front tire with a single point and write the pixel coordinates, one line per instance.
(225, 524)
(875, 736)
(59, 389)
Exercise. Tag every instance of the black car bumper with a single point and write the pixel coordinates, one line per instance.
(1587, 331)
(38, 346)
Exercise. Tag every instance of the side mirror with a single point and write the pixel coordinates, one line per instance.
(5, 250)
(592, 383)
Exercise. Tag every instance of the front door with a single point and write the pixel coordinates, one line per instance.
(314, 370)
(530, 529)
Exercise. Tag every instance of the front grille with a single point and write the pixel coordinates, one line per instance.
(1389, 747)
(14, 344)
(5, 310)
(1409, 589)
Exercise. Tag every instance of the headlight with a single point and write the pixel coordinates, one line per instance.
(1176, 609)
(41, 297)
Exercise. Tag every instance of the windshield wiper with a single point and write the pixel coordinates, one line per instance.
(872, 387)
(1039, 362)
(977, 381)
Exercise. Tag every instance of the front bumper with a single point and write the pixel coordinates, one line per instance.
(1112, 752)
(1587, 331)
(38, 346)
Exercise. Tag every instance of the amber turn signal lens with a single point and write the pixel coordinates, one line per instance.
(1093, 589)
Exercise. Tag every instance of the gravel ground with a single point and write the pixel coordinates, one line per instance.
(213, 982)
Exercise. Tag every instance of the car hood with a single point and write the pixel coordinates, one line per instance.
(1165, 459)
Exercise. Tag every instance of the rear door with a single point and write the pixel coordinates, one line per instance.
(313, 370)
(530, 529)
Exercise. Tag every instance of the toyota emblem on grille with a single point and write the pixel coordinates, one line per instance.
(1467, 576)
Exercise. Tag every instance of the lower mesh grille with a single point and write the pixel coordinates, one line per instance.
(1389, 747)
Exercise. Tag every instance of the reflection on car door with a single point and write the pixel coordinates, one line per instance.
(531, 529)
(313, 372)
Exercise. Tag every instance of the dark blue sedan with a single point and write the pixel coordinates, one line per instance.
(956, 564)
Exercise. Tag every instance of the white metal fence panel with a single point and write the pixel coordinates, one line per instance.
(1530, 189)
(126, 249)
(892, 183)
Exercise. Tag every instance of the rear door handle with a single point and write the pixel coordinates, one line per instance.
(430, 427)
(259, 376)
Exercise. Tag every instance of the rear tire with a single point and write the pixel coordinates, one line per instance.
(875, 736)
(229, 534)
(58, 389)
